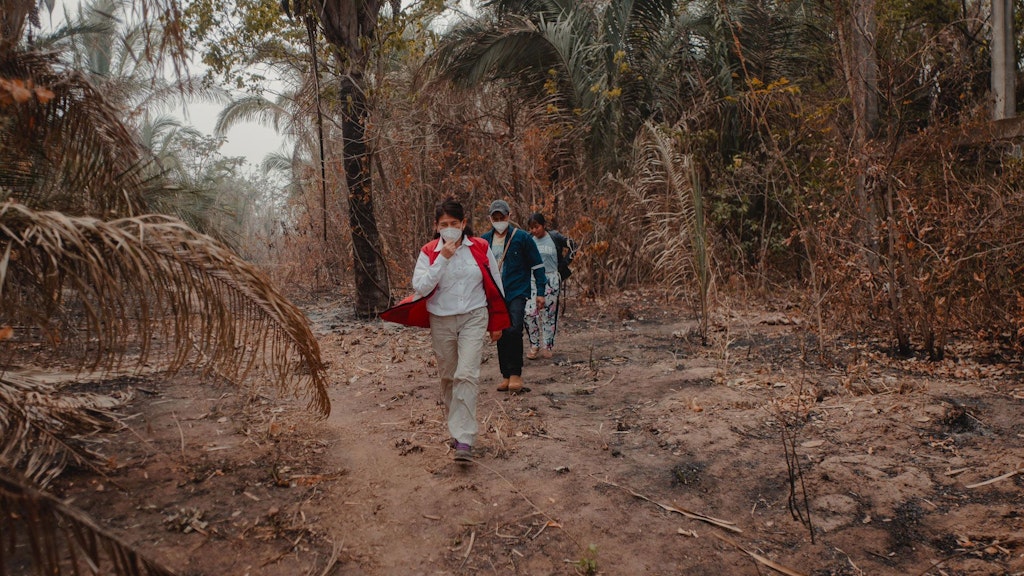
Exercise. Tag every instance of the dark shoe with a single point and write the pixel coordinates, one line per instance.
(463, 452)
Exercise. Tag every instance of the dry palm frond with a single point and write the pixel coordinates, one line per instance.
(159, 22)
(116, 288)
(38, 420)
(61, 539)
(671, 214)
(71, 140)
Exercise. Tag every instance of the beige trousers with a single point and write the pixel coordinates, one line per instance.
(458, 343)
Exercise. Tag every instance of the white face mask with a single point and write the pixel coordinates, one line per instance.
(450, 234)
(500, 227)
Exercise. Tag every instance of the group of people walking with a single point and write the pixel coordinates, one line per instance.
(468, 289)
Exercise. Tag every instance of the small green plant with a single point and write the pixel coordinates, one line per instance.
(588, 563)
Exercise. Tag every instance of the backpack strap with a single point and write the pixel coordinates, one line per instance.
(508, 244)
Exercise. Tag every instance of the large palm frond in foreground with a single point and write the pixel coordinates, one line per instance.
(139, 277)
(72, 140)
(61, 539)
(41, 421)
(94, 293)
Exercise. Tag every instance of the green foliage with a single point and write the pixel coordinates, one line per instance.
(587, 564)
(577, 58)
(236, 37)
(203, 188)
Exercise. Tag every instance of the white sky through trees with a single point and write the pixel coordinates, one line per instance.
(249, 140)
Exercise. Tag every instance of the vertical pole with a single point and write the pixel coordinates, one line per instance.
(1004, 63)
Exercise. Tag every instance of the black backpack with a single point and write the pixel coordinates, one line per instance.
(566, 249)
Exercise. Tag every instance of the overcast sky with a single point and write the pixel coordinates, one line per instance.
(245, 139)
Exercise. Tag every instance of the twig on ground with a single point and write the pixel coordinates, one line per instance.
(765, 561)
(506, 536)
(283, 554)
(335, 551)
(943, 561)
(530, 502)
(497, 428)
(469, 549)
(724, 524)
(544, 527)
(850, 560)
(181, 434)
(1010, 474)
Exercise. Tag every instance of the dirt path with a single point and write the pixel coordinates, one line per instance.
(884, 453)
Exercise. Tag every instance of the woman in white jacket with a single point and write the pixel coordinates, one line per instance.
(465, 303)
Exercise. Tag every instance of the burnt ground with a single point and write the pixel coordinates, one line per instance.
(635, 450)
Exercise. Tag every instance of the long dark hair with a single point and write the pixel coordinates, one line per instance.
(452, 207)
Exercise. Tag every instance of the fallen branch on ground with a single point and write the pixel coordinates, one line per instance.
(769, 563)
(724, 524)
(1010, 474)
(469, 549)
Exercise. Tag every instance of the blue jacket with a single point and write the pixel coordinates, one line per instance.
(521, 260)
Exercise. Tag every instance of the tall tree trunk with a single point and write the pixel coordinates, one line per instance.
(13, 15)
(857, 27)
(373, 291)
(1004, 62)
(349, 25)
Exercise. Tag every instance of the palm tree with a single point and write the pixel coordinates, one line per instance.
(289, 113)
(582, 53)
(77, 174)
(103, 43)
(666, 191)
(201, 186)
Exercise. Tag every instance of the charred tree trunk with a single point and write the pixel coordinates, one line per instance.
(373, 292)
(857, 26)
(348, 26)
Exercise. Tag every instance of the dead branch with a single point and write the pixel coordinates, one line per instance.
(1010, 474)
(765, 561)
(724, 524)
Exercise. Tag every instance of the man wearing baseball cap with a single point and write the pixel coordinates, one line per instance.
(518, 259)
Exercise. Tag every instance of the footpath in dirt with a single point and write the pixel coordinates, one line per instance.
(634, 450)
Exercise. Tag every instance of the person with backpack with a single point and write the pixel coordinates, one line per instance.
(541, 320)
(459, 295)
(518, 260)
(566, 252)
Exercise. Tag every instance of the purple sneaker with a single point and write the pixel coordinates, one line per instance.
(463, 452)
